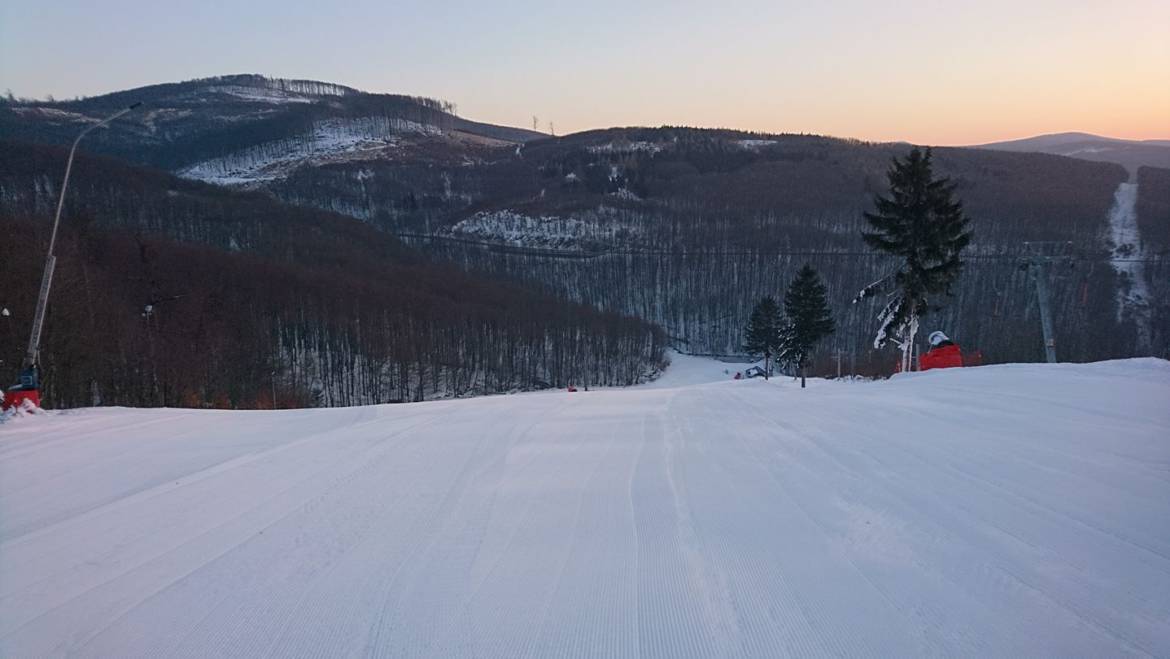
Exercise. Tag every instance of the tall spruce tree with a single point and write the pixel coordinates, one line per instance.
(923, 224)
(809, 319)
(763, 333)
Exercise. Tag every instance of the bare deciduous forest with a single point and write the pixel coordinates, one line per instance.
(177, 293)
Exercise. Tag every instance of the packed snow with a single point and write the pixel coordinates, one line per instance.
(1017, 510)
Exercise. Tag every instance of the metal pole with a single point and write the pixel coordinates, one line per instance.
(34, 339)
(1040, 273)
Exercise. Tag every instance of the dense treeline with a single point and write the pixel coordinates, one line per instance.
(267, 299)
(713, 225)
(1153, 208)
(709, 187)
(1153, 215)
(702, 299)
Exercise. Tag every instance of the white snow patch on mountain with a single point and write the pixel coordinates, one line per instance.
(628, 147)
(330, 140)
(260, 94)
(603, 226)
(755, 145)
(1017, 510)
(54, 114)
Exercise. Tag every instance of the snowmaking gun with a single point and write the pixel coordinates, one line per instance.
(950, 356)
(26, 392)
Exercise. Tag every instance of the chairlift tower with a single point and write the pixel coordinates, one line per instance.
(1037, 259)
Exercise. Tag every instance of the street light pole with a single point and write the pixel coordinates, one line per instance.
(34, 341)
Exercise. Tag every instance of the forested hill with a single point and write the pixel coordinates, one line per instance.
(189, 122)
(1133, 154)
(683, 227)
(178, 293)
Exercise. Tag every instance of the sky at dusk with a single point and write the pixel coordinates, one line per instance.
(921, 71)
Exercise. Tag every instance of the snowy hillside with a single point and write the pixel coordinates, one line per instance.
(1019, 510)
(329, 141)
(595, 229)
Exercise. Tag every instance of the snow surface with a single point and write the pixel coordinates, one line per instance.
(686, 370)
(1133, 296)
(330, 140)
(629, 147)
(591, 228)
(54, 114)
(260, 94)
(755, 145)
(1019, 510)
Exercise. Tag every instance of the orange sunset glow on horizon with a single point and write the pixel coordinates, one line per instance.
(949, 73)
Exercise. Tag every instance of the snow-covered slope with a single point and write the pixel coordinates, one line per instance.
(333, 140)
(1001, 511)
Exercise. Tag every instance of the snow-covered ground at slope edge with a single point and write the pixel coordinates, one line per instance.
(1015, 510)
(688, 370)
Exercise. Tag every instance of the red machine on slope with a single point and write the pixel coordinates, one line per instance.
(945, 353)
(24, 394)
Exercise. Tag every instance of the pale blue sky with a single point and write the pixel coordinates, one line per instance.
(937, 72)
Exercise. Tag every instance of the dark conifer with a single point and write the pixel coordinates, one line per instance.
(763, 334)
(922, 224)
(809, 319)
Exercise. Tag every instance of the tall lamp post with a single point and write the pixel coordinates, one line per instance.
(29, 380)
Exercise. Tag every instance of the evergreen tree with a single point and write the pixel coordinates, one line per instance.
(923, 224)
(763, 333)
(809, 319)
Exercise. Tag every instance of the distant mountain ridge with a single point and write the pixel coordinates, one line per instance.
(1131, 154)
(186, 123)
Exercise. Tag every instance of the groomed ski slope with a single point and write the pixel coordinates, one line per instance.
(1019, 510)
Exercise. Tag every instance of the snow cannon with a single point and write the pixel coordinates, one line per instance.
(945, 353)
(941, 357)
(24, 393)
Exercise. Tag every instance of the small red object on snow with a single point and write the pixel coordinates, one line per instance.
(738, 375)
(14, 400)
(571, 389)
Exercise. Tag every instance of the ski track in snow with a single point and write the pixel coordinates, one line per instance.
(1017, 510)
